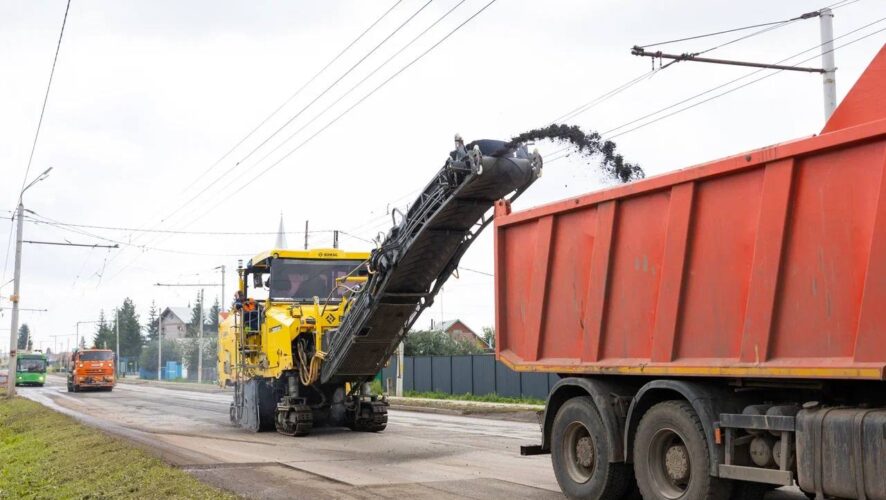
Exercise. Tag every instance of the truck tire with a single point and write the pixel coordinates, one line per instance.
(580, 450)
(671, 459)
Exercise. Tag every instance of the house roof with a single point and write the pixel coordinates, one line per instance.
(183, 314)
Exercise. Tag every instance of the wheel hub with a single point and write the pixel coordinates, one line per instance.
(584, 452)
(677, 462)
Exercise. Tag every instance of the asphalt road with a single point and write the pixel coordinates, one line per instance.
(420, 455)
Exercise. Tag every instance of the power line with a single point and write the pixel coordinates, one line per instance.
(299, 113)
(294, 94)
(771, 26)
(288, 100)
(807, 15)
(46, 96)
(354, 87)
(648, 115)
(338, 117)
(53, 222)
(37, 133)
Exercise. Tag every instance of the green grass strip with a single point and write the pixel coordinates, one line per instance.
(49, 455)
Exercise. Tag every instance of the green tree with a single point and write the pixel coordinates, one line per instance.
(195, 317)
(213, 318)
(148, 358)
(191, 346)
(104, 336)
(437, 343)
(152, 326)
(130, 330)
(24, 342)
(489, 336)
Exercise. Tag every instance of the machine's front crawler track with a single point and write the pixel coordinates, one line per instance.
(422, 250)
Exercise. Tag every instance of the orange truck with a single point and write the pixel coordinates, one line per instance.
(92, 369)
(718, 330)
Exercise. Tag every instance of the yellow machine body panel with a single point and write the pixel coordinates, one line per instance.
(308, 292)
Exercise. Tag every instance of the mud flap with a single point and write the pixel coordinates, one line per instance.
(258, 406)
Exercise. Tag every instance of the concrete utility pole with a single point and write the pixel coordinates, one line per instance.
(16, 286)
(223, 299)
(117, 322)
(401, 352)
(13, 330)
(306, 235)
(159, 344)
(829, 77)
(200, 342)
(828, 69)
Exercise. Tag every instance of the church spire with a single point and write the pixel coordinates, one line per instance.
(281, 235)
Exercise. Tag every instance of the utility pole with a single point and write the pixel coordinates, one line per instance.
(223, 299)
(200, 342)
(200, 326)
(159, 343)
(16, 286)
(335, 239)
(401, 353)
(117, 322)
(306, 235)
(828, 69)
(829, 77)
(13, 330)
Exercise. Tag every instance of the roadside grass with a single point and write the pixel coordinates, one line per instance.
(489, 398)
(50, 455)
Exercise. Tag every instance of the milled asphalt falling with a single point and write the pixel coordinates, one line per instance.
(419, 455)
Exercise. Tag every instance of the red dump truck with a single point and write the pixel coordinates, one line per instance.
(719, 330)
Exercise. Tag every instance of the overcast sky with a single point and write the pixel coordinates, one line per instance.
(147, 96)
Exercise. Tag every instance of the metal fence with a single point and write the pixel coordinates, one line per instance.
(478, 374)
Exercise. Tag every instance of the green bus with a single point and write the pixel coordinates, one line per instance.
(30, 369)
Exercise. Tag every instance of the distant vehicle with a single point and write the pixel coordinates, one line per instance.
(91, 369)
(30, 369)
(4, 377)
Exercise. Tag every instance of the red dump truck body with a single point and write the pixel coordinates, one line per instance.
(719, 330)
(770, 263)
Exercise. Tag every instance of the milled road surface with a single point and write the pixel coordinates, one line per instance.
(420, 455)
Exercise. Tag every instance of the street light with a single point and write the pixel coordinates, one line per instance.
(10, 388)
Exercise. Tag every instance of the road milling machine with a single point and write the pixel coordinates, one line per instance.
(303, 342)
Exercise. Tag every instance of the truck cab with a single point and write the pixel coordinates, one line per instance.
(92, 369)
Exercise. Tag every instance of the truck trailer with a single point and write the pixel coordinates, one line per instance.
(719, 330)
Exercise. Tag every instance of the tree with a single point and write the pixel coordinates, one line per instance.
(148, 358)
(104, 336)
(191, 346)
(25, 342)
(195, 317)
(489, 336)
(214, 314)
(437, 343)
(130, 330)
(152, 326)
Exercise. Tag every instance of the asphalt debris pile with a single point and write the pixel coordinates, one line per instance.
(588, 144)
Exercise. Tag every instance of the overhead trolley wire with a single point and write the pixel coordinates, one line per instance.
(339, 116)
(294, 94)
(281, 106)
(299, 113)
(58, 47)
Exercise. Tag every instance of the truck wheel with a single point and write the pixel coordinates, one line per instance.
(671, 459)
(580, 450)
